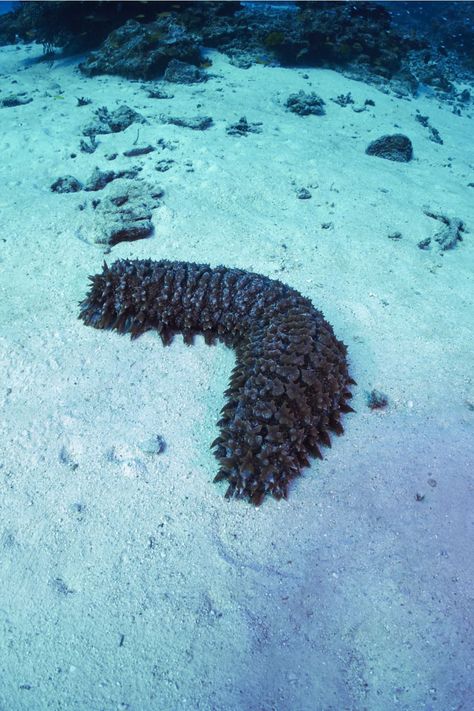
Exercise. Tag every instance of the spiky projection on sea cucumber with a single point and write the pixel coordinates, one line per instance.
(290, 383)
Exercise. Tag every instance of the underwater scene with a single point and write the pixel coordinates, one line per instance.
(237, 356)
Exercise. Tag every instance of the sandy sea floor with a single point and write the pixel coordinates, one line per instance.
(127, 581)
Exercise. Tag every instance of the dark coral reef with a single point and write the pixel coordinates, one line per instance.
(405, 45)
(290, 383)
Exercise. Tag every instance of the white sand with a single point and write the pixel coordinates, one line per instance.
(127, 581)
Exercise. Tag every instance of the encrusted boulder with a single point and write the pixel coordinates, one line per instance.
(139, 51)
(305, 104)
(125, 214)
(396, 147)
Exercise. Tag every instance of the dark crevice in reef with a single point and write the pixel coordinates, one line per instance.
(290, 383)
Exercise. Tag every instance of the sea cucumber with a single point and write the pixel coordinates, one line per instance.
(290, 383)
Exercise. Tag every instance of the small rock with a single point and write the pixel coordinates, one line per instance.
(344, 100)
(305, 104)
(138, 151)
(15, 100)
(241, 59)
(122, 118)
(78, 509)
(424, 120)
(155, 92)
(66, 457)
(66, 184)
(183, 73)
(376, 400)
(303, 194)
(88, 147)
(197, 123)
(243, 127)
(130, 231)
(99, 179)
(395, 235)
(61, 587)
(166, 145)
(424, 243)
(163, 165)
(450, 234)
(434, 135)
(106, 121)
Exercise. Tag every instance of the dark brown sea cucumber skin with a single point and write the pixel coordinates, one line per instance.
(289, 385)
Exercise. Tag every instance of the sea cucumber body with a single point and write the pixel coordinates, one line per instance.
(290, 382)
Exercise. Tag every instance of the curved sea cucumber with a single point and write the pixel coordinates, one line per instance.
(290, 382)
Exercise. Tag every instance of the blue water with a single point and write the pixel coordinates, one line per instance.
(7, 6)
